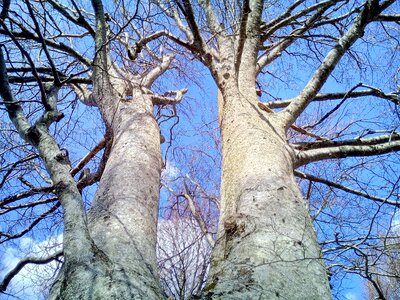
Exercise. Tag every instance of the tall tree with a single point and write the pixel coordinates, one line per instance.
(266, 246)
(109, 254)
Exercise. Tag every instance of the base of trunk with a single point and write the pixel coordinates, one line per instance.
(99, 280)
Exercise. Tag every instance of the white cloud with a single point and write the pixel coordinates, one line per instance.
(396, 222)
(33, 280)
(351, 296)
(170, 171)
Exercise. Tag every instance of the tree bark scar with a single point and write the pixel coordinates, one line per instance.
(63, 157)
(60, 187)
(33, 135)
(230, 226)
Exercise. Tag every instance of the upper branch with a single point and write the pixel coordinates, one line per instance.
(370, 12)
(13, 108)
(26, 34)
(149, 78)
(5, 9)
(196, 43)
(392, 97)
(249, 36)
(80, 20)
(276, 50)
(43, 43)
(187, 11)
(166, 99)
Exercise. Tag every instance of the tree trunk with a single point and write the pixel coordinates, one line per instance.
(123, 217)
(266, 246)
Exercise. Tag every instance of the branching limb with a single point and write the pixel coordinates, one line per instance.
(371, 10)
(11, 168)
(36, 221)
(277, 49)
(84, 95)
(392, 97)
(7, 209)
(76, 233)
(173, 13)
(57, 81)
(22, 263)
(166, 99)
(196, 44)
(389, 18)
(301, 130)
(100, 145)
(90, 178)
(197, 215)
(213, 23)
(80, 20)
(148, 80)
(26, 34)
(341, 149)
(134, 51)
(345, 189)
(393, 136)
(187, 10)
(30, 61)
(26, 194)
(287, 18)
(5, 9)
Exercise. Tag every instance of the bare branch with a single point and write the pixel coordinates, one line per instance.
(389, 18)
(298, 104)
(81, 21)
(194, 210)
(6, 209)
(266, 108)
(277, 49)
(4, 11)
(26, 34)
(166, 99)
(22, 263)
(345, 189)
(84, 95)
(32, 225)
(336, 96)
(360, 147)
(100, 145)
(57, 81)
(187, 11)
(26, 194)
(12, 167)
(137, 48)
(148, 80)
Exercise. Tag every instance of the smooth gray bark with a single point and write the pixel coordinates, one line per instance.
(266, 246)
(123, 218)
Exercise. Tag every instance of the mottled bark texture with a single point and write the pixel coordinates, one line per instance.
(123, 218)
(266, 246)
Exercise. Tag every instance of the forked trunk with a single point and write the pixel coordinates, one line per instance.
(266, 246)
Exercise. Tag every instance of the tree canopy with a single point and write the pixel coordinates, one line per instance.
(97, 99)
